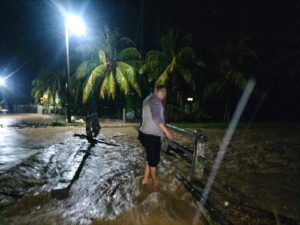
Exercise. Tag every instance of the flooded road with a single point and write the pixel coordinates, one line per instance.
(108, 189)
(257, 183)
(17, 144)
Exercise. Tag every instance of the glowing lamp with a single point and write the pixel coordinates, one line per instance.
(75, 24)
(2, 81)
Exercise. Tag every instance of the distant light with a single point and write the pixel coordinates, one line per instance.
(190, 99)
(75, 24)
(2, 81)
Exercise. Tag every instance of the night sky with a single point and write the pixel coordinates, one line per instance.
(32, 35)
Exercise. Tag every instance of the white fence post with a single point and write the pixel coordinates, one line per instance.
(124, 115)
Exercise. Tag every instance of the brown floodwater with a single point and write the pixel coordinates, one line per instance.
(38, 160)
(258, 182)
(259, 176)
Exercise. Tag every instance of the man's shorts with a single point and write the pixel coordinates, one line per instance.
(151, 144)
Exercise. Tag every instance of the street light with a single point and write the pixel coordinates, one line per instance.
(75, 25)
(2, 81)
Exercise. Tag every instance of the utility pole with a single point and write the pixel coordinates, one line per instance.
(68, 74)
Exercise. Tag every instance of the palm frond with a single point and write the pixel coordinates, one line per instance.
(136, 64)
(102, 57)
(143, 69)
(122, 81)
(165, 74)
(129, 54)
(103, 88)
(187, 75)
(38, 82)
(127, 41)
(37, 95)
(111, 85)
(85, 68)
(167, 43)
(95, 75)
(187, 54)
(130, 75)
(155, 61)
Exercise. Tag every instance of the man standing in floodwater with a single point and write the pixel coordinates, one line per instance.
(152, 129)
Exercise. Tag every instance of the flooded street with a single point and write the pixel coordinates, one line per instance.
(108, 188)
(260, 175)
(258, 181)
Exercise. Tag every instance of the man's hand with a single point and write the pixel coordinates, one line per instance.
(169, 136)
(166, 131)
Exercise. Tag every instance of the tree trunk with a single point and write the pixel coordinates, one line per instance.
(119, 104)
(226, 110)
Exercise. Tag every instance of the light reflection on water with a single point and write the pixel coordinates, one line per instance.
(14, 147)
(18, 144)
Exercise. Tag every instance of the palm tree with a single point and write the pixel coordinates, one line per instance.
(112, 70)
(175, 57)
(176, 65)
(39, 87)
(47, 83)
(234, 62)
(55, 86)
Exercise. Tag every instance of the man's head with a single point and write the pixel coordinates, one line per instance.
(161, 92)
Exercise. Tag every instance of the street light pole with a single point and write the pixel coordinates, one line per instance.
(75, 25)
(68, 72)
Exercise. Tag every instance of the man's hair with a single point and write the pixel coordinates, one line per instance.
(159, 87)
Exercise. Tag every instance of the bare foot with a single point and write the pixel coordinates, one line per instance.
(145, 181)
(155, 184)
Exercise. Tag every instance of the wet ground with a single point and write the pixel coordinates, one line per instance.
(258, 182)
(108, 189)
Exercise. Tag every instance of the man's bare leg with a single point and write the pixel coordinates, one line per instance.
(146, 174)
(153, 176)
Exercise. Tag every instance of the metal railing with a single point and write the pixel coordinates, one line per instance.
(31, 108)
(197, 154)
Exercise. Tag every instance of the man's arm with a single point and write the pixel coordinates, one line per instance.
(155, 108)
(166, 131)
